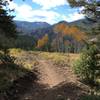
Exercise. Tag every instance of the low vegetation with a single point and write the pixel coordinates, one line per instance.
(13, 66)
(87, 67)
(19, 62)
(62, 59)
(62, 41)
(9, 71)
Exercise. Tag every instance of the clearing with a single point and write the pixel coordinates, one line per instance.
(47, 78)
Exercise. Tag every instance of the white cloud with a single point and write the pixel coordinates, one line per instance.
(36, 15)
(48, 4)
(75, 16)
(26, 13)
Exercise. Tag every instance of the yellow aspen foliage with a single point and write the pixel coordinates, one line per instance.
(77, 34)
(45, 38)
(59, 28)
(65, 30)
(41, 42)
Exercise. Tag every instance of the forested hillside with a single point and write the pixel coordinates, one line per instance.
(82, 28)
(30, 35)
(27, 28)
(56, 61)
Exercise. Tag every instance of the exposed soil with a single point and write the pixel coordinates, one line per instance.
(53, 75)
(48, 82)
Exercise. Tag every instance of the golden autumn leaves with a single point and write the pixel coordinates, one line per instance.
(41, 42)
(72, 31)
(62, 30)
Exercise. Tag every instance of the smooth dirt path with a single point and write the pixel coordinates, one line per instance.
(52, 76)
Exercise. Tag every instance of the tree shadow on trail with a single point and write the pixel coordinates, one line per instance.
(27, 88)
(63, 91)
(20, 86)
(14, 80)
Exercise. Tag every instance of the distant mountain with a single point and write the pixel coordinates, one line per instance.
(25, 27)
(31, 32)
(86, 25)
(39, 33)
(38, 29)
(62, 22)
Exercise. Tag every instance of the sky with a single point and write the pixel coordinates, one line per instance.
(50, 11)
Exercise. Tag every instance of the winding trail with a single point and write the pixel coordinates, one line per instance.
(53, 83)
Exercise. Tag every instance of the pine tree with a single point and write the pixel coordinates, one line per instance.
(88, 67)
(91, 8)
(7, 26)
(42, 43)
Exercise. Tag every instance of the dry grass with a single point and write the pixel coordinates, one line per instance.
(62, 58)
(15, 52)
(12, 71)
(27, 60)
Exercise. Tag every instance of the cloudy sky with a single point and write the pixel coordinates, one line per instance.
(51, 11)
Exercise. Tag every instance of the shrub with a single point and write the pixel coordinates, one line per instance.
(87, 66)
(5, 58)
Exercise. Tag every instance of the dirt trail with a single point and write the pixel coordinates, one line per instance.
(49, 74)
(52, 76)
(53, 83)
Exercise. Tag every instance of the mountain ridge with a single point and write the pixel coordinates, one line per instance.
(33, 28)
(26, 27)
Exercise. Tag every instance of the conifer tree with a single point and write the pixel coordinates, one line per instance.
(88, 66)
(91, 10)
(7, 26)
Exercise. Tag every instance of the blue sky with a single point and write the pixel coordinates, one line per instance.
(51, 11)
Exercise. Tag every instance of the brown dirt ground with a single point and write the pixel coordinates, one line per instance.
(52, 83)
